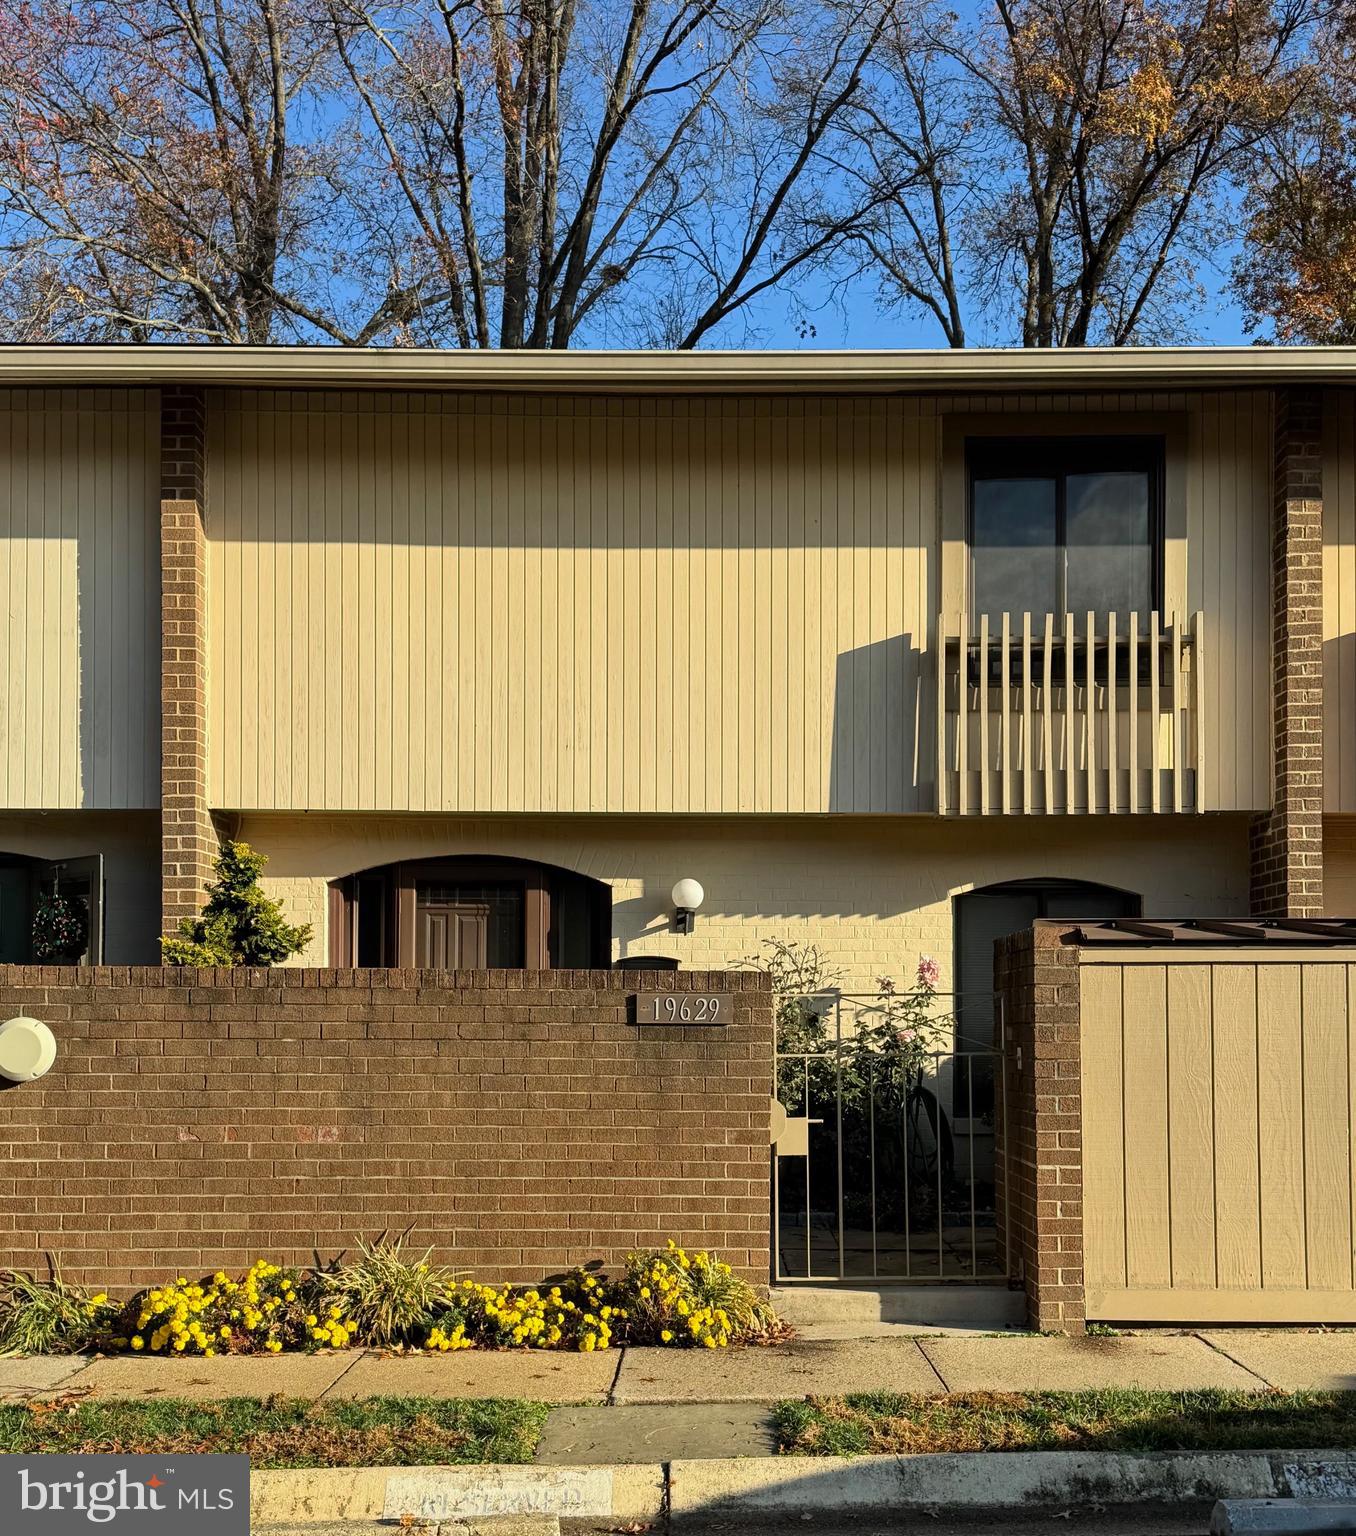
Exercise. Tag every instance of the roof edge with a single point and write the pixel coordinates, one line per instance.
(662, 372)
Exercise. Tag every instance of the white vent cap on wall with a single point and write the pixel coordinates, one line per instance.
(27, 1049)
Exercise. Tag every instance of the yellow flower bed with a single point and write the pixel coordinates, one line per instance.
(665, 1297)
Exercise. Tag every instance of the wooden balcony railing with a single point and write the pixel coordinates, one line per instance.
(1059, 716)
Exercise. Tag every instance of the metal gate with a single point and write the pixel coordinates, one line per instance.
(886, 1140)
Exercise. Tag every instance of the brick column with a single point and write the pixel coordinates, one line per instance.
(1039, 1145)
(1287, 842)
(188, 839)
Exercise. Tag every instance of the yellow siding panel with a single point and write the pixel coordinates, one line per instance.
(79, 599)
(1104, 1132)
(1238, 1080)
(1147, 1158)
(1238, 1237)
(478, 603)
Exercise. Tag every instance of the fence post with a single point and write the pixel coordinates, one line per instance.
(1037, 979)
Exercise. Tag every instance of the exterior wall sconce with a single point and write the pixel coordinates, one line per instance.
(27, 1050)
(687, 896)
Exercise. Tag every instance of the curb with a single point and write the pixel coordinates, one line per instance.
(1279, 1517)
(694, 1491)
(435, 1494)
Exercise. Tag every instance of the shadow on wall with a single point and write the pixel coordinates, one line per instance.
(883, 745)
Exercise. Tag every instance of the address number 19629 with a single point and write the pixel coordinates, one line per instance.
(683, 1008)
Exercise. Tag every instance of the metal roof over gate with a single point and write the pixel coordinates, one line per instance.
(1220, 932)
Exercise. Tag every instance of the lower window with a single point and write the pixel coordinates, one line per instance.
(26, 886)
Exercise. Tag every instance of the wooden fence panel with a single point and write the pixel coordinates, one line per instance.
(1219, 1098)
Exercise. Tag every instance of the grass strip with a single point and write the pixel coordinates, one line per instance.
(285, 1432)
(888, 1423)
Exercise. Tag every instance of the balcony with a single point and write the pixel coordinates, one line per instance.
(1039, 714)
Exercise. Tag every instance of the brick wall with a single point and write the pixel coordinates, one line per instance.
(1287, 843)
(1041, 1144)
(197, 1119)
(188, 837)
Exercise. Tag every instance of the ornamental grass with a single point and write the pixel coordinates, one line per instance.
(388, 1299)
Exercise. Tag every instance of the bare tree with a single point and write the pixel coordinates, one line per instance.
(487, 172)
(165, 165)
(1079, 152)
(1297, 269)
(565, 164)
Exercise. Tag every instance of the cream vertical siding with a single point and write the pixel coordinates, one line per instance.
(873, 893)
(79, 599)
(487, 603)
(1339, 602)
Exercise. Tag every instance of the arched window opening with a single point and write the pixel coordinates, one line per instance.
(468, 913)
(985, 915)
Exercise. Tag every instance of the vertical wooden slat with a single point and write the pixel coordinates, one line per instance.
(1104, 1137)
(1350, 972)
(1145, 1052)
(1047, 711)
(1070, 720)
(1191, 1142)
(1028, 756)
(1090, 713)
(1005, 723)
(941, 715)
(1280, 1125)
(1133, 712)
(1238, 1233)
(1177, 705)
(984, 797)
(1113, 794)
(1155, 746)
(1198, 705)
(1327, 1165)
(962, 722)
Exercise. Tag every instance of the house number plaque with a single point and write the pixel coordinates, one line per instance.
(683, 1007)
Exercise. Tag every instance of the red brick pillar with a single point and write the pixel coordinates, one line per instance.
(188, 839)
(1287, 842)
(1039, 1147)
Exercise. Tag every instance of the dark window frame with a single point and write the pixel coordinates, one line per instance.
(1056, 458)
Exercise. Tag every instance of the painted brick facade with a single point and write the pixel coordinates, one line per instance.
(1041, 1144)
(188, 838)
(1287, 843)
(197, 1119)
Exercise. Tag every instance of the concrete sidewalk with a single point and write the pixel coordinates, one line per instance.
(1240, 1359)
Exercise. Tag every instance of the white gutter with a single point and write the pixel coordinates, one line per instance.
(604, 372)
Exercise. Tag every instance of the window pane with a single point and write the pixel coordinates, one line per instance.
(371, 936)
(1016, 567)
(575, 941)
(1110, 561)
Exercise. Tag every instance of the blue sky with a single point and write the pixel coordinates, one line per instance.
(860, 324)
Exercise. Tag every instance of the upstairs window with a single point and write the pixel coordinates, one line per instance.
(1065, 525)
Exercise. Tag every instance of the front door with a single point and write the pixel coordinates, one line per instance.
(469, 927)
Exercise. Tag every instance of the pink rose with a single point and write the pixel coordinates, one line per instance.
(928, 972)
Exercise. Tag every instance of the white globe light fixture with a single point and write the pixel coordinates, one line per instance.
(687, 896)
(27, 1050)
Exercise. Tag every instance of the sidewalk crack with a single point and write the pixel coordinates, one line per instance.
(918, 1345)
(360, 1354)
(1209, 1344)
(611, 1401)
